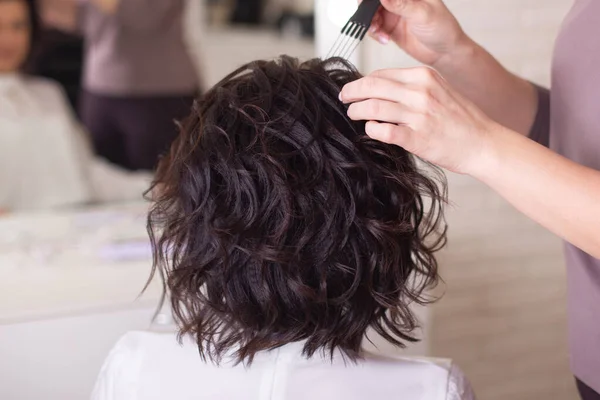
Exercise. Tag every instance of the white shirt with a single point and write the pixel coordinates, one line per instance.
(45, 161)
(154, 366)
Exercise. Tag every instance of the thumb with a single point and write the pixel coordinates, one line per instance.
(419, 10)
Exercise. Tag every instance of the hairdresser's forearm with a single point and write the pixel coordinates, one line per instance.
(559, 194)
(503, 96)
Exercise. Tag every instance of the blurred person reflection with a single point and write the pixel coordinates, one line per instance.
(138, 76)
(45, 161)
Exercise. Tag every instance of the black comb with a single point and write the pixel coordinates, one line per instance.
(355, 30)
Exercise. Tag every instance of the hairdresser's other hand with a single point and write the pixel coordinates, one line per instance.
(107, 6)
(59, 14)
(420, 112)
(425, 29)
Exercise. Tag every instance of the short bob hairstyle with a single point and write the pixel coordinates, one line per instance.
(276, 219)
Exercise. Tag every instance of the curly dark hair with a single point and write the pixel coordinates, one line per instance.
(277, 219)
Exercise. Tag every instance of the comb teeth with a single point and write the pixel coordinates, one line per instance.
(355, 30)
(350, 37)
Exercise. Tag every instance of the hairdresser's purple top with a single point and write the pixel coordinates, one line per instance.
(570, 124)
(139, 50)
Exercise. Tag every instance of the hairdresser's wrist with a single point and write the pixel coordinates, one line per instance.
(496, 144)
(460, 59)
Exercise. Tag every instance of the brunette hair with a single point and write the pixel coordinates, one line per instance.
(277, 219)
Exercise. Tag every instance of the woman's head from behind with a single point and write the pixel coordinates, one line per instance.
(276, 219)
(18, 27)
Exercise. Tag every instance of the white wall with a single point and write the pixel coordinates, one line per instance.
(330, 18)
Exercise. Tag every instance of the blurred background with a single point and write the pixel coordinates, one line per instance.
(72, 267)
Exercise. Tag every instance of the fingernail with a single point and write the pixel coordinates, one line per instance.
(383, 39)
(340, 97)
(373, 29)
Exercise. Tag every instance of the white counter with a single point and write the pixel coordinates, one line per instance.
(70, 285)
(58, 264)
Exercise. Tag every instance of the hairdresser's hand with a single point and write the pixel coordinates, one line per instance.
(425, 29)
(419, 111)
(59, 14)
(107, 6)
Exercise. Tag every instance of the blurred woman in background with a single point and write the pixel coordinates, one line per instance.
(138, 76)
(44, 159)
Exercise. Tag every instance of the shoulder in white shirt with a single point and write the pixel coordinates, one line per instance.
(153, 366)
(46, 160)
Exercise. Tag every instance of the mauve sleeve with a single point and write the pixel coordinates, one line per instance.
(540, 130)
(147, 15)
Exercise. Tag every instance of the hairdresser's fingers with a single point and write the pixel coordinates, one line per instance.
(375, 24)
(418, 10)
(424, 76)
(399, 135)
(380, 110)
(418, 77)
(371, 87)
(424, 79)
(379, 24)
(389, 23)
